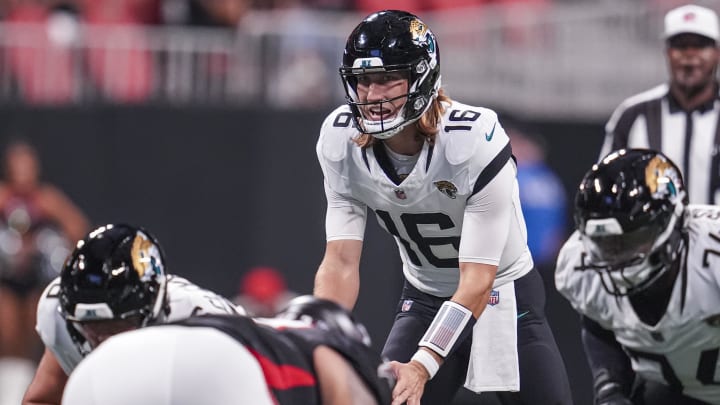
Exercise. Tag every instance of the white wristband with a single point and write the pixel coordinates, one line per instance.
(447, 326)
(428, 361)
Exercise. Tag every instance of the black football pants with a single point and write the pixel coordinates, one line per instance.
(543, 379)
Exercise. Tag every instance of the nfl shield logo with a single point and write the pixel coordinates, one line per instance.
(406, 305)
(400, 194)
(494, 297)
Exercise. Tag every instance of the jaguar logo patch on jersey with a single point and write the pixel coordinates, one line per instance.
(446, 188)
(145, 257)
(661, 177)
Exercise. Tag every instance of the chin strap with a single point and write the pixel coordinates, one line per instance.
(78, 339)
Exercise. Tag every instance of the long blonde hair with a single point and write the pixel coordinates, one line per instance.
(426, 126)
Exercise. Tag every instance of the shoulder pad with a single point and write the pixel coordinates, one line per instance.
(52, 328)
(702, 224)
(336, 133)
(334, 146)
(472, 133)
(701, 215)
(567, 258)
(48, 313)
(186, 299)
(582, 288)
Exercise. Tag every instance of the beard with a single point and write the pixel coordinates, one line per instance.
(691, 86)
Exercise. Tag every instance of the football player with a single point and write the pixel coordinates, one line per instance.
(440, 177)
(115, 280)
(313, 353)
(642, 269)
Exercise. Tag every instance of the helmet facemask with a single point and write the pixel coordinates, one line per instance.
(414, 103)
(630, 262)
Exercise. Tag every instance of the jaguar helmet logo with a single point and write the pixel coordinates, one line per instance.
(418, 29)
(661, 178)
(421, 35)
(146, 257)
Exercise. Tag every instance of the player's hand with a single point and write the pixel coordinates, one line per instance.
(411, 379)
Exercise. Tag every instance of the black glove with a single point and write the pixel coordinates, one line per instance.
(611, 393)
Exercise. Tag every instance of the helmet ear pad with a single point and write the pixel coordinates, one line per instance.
(391, 41)
(116, 272)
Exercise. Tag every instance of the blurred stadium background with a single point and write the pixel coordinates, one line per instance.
(198, 118)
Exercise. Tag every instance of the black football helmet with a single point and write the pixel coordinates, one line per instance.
(327, 315)
(391, 41)
(627, 211)
(116, 273)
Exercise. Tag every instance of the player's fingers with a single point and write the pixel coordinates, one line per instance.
(417, 394)
(399, 399)
(400, 394)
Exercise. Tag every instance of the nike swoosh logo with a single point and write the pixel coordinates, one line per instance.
(522, 314)
(489, 135)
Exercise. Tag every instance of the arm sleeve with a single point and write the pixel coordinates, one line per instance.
(608, 362)
(345, 217)
(487, 217)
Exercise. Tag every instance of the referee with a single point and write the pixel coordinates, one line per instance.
(680, 119)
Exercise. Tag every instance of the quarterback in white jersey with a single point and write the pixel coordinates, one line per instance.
(641, 267)
(114, 281)
(440, 177)
(425, 211)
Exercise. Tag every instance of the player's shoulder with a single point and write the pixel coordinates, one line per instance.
(186, 299)
(52, 328)
(572, 247)
(579, 285)
(48, 310)
(336, 134)
(568, 258)
(340, 117)
(697, 216)
(471, 134)
(701, 223)
(460, 117)
(51, 293)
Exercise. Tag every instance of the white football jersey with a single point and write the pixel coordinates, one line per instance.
(682, 349)
(425, 211)
(185, 299)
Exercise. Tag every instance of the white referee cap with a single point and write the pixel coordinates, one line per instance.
(692, 19)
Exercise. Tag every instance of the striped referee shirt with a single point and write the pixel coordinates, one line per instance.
(654, 120)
